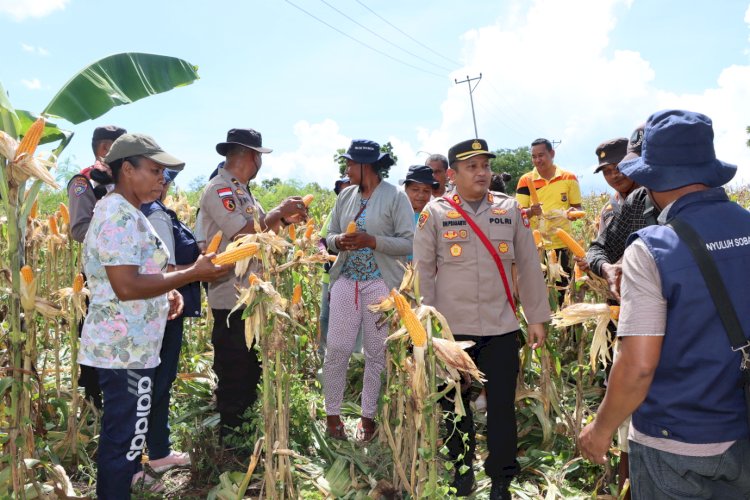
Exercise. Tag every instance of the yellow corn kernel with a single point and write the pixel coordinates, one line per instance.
(236, 254)
(213, 246)
(292, 232)
(537, 238)
(571, 243)
(351, 228)
(53, 225)
(307, 199)
(78, 283)
(576, 214)
(27, 274)
(34, 209)
(64, 213)
(413, 326)
(31, 140)
(297, 294)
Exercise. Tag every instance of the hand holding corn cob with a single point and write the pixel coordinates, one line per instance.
(204, 269)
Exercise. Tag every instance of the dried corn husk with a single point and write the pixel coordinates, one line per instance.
(453, 354)
(585, 313)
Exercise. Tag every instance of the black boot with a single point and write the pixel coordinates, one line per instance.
(464, 483)
(500, 490)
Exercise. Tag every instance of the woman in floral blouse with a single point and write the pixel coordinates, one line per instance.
(131, 298)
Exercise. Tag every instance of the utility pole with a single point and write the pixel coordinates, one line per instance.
(471, 98)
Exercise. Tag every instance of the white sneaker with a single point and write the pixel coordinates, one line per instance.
(143, 482)
(174, 459)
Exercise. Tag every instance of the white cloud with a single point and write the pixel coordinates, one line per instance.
(19, 10)
(313, 159)
(33, 49)
(33, 84)
(544, 76)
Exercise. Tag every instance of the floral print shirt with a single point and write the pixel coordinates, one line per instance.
(360, 264)
(121, 334)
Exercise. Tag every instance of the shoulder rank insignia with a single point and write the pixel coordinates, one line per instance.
(456, 250)
(490, 198)
(457, 199)
(423, 216)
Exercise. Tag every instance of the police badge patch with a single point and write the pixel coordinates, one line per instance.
(423, 216)
(80, 185)
(229, 204)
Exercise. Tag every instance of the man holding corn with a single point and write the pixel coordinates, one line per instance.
(464, 247)
(228, 206)
(677, 372)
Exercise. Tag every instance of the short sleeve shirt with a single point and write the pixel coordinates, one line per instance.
(226, 205)
(121, 334)
(556, 195)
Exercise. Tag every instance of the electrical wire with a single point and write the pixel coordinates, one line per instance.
(407, 34)
(385, 39)
(363, 43)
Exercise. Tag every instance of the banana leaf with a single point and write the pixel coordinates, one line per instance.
(9, 122)
(116, 80)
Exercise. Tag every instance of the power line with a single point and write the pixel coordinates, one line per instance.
(406, 34)
(385, 39)
(363, 43)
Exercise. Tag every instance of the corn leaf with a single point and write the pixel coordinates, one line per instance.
(116, 80)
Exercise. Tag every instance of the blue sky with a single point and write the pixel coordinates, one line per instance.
(578, 71)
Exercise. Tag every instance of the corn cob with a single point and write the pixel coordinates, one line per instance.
(351, 228)
(571, 243)
(78, 283)
(532, 191)
(34, 209)
(309, 231)
(27, 274)
(236, 254)
(31, 140)
(307, 199)
(553, 256)
(297, 294)
(53, 225)
(215, 242)
(537, 238)
(413, 326)
(614, 313)
(576, 214)
(578, 273)
(292, 232)
(64, 213)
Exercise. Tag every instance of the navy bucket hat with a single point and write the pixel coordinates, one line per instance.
(678, 150)
(364, 151)
(420, 174)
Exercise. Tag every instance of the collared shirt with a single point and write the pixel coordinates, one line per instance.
(226, 205)
(556, 195)
(458, 275)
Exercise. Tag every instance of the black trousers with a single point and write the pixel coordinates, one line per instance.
(497, 357)
(236, 367)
